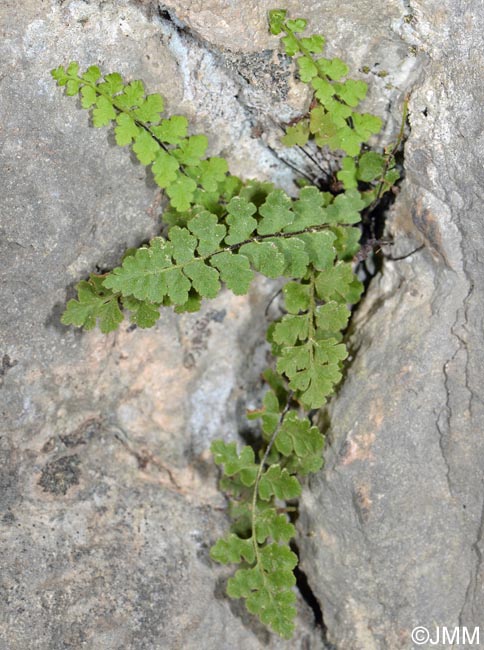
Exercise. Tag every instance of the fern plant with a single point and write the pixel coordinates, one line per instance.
(221, 229)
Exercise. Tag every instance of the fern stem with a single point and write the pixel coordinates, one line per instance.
(311, 315)
(259, 474)
(137, 121)
(235, 247)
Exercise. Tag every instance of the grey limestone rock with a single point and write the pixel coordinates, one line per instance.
(392, 530)
(109, 500)
(108, 494)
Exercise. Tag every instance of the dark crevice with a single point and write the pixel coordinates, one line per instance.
(168, 16)
(165, 15)
(310, 599)
(307, 594)
(374, 243)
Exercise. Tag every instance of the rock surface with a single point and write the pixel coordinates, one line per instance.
(392, 530)
(108, 495)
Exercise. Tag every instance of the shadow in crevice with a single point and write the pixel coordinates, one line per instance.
(309, 597)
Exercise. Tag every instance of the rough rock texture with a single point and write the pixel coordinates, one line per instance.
(392, 531)
(108, 496)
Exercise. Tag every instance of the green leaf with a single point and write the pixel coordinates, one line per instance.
(291, 45)
(240, 220)
(296, 259)
(143, 275)
(352, 92)
(112, 84)
(235, 271)
(145, 147)
(347, 140)
(171, 130)
(210, 201)
(346, 208)
(192, 150)
(233, 550)
(275, 557)
(275, 610)
(88, 96)
(304, 465)
(225, 453)
(144, 314)
(346, 242)
(392, 176)
(339, 283)
(181, 192)
(110, 317)
(265, 257)
(297, 25)
(321, 123)
(230, 187)
(92, 74)
(317, 381)
(296, 297)
(307, 68)
(164, 168)
(290, 329)
(313, 43)
(240, 512)
(332, 316)
(279, 579)
(323, 89)
(276, 213)
(193, 303)
(92, 306)
(177, 286)
(297, 436)
(205, 278)
(276, 20)
(72, 87)
(270, 414)
(319, 248)
(293, 359)
(210, 233)
(60, 75)
(366, 125)
(370, 166)
(73, 69)
(150, 109)
(296, 135)
(82, 312)
(339, 112)
(183, 244)
(126, 129)
(335, 69)
(132, 95)
(212, 172)
(256, 192)
(279, 483)
(308, 210)
(244, 582)
(271, 525)
(313, 374)
(347, 173)
(103, 113)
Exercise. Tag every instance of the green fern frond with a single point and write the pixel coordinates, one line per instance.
(222, 230)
